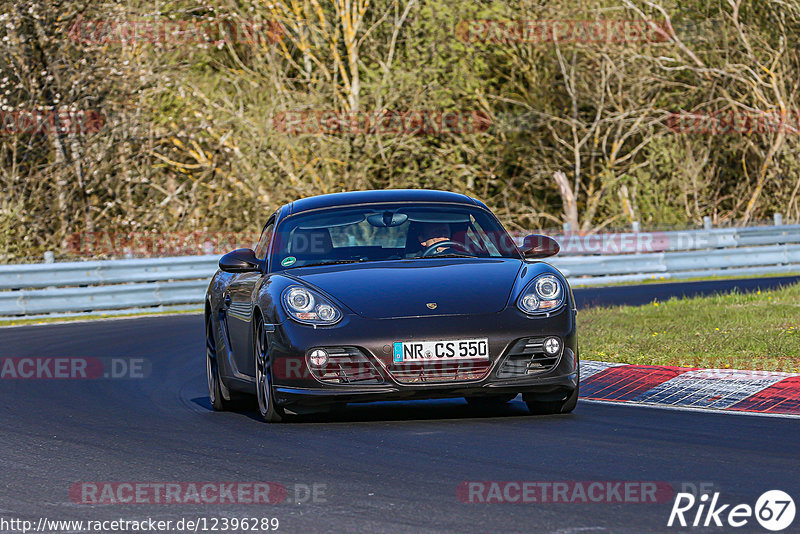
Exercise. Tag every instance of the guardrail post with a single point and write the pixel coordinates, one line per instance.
(707, 222)
(778, 219)
(566, 227)
(636, 228)
(49, 257)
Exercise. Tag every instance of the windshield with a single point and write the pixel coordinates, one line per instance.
(379, 232)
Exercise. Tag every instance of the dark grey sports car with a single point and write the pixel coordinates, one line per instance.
(382, 295)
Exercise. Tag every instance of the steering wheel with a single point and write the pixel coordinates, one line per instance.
(441, 244)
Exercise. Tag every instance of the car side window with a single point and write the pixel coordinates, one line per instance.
(263, 243)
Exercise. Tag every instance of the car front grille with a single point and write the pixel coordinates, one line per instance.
(347, 365)
(420, 373)
(526, 357)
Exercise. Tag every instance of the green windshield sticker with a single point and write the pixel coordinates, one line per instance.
(288, 261)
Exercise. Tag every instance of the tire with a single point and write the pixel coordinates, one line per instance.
(218, 402)
(493, 401)
(548, 407)
(264, 389)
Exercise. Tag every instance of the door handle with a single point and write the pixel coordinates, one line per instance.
(227, 300)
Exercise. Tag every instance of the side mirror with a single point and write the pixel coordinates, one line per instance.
(539, 246)
(241, 260)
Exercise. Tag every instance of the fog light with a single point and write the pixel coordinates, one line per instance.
(552, 345)
(318, 357)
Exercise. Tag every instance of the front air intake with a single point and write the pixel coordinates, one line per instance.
(346, 365)
(527, 356)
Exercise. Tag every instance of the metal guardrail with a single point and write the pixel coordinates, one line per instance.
(142, 283)
(79, 273)
(748, 261)
(104, 285)
(575, 243)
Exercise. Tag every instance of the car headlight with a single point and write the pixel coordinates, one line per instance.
(309, 307)
(545, 293)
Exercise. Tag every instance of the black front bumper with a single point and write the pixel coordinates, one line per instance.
(286, 396)
(290, 342)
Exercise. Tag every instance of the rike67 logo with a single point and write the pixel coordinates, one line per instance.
(774, 510)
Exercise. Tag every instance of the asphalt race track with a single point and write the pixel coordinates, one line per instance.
(389, 467)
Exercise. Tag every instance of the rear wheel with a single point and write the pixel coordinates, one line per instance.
(547, 406)
(491, 401)
(264, 390)
(218, 402)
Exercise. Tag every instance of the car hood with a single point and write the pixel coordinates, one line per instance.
(405, 288)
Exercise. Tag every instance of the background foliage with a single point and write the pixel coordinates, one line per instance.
(579, 130)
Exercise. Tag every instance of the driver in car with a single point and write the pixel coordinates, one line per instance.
(432, 233)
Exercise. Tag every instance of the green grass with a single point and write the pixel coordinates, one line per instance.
(758, 331)
(92, 317)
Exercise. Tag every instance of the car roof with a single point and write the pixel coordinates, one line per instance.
(379, 196)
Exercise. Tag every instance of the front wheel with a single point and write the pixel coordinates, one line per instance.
(264, 391)
(538, 406)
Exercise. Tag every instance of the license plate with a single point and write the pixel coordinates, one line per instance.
(436, 351)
